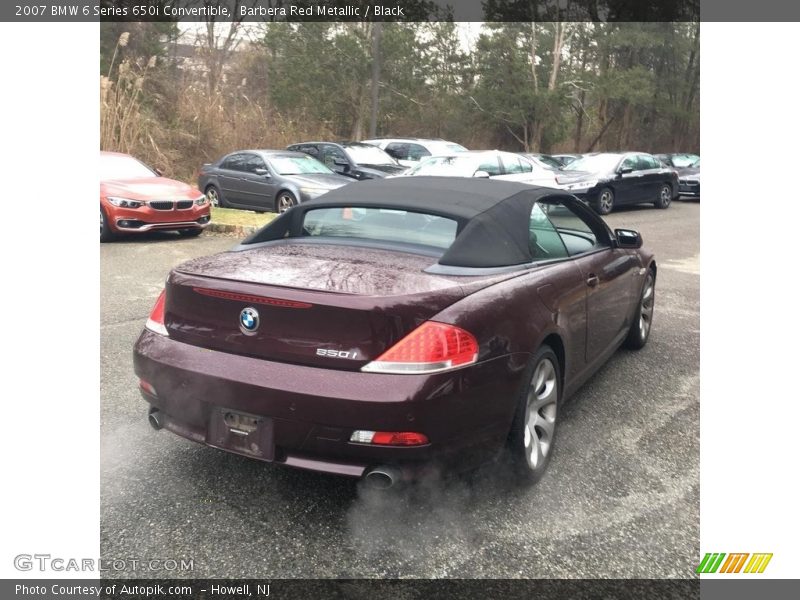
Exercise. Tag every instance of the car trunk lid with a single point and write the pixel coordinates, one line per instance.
(324, 305)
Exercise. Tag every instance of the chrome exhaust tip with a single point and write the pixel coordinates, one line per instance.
(382, 478)
(155, 418)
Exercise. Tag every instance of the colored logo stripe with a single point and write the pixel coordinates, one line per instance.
(734, 563)
(758, 563)
(712, 562)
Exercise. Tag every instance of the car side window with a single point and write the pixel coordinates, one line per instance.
(252, 163)
(576, 232)
(632, 162)
(330, 156)
(397, 150)
(514, 164)
(235, 162)
(643, 162)
(310, 150)
(543, 238)
(491, 166)
(416, 152)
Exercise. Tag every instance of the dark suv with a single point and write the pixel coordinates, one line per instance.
(352, 159)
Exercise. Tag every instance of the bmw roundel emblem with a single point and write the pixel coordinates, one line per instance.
(248, 321)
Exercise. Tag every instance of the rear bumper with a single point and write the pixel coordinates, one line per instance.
(311, 412)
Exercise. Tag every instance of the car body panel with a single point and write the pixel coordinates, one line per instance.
(336, 158)
(245, 188)
(494, 164)
(689, 181)
(409, 151)
(168, 204)
(364, 299)
(641, 185)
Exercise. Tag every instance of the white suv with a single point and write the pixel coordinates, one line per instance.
(409, 151)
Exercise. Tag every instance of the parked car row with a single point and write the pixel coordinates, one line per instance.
(136, 198)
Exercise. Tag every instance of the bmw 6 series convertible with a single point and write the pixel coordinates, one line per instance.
(397, 326)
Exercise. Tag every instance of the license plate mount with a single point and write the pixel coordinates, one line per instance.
(242, 433)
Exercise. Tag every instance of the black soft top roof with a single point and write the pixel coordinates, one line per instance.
(493, 216)
(456, 197)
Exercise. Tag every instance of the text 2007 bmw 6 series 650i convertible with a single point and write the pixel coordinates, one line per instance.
(396, 326)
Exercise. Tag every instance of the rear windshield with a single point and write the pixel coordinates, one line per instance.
(381, 224)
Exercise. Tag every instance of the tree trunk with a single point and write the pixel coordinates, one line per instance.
(533, 57)
(558, 46)
(579, 122)
(600, 135)
(377, 29)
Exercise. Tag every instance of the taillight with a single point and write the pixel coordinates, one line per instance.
(156, 321)
(389, 438)
(430, 348)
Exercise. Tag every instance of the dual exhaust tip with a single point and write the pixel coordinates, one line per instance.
(379, 478)
(155, 418)
(382, 478)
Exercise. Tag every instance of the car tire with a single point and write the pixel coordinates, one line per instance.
(284, 201)
(533, 431)
(214, 197)
(106, 235)
(192, 232)
(604, 203)
(639, 332)
(664, 196)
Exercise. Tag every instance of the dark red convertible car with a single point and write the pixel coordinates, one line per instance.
(397, 325)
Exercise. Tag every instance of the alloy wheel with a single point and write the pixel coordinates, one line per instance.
(213, 196)
(540, 414)
(285, 202)
(646, 309)
(606, 201)
(665, 196)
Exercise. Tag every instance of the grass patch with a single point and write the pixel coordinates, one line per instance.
(232, 216)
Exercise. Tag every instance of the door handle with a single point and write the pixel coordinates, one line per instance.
(593, 280)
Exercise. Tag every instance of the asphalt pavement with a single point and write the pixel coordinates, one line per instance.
(620, 499)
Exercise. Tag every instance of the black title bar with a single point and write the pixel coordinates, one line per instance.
(388, 10)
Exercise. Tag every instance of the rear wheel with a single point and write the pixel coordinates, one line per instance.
(643, 319)
(533, 431)
(284, 202)
(106, 235)
(605, 201)
(664, 196)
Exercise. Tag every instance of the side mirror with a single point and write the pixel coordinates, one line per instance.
(628, 238)
(625, 170)
(261, 171)
(482, 174)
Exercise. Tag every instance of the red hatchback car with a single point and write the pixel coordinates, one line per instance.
(135, 198)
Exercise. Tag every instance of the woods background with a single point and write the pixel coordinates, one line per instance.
(179, 97)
